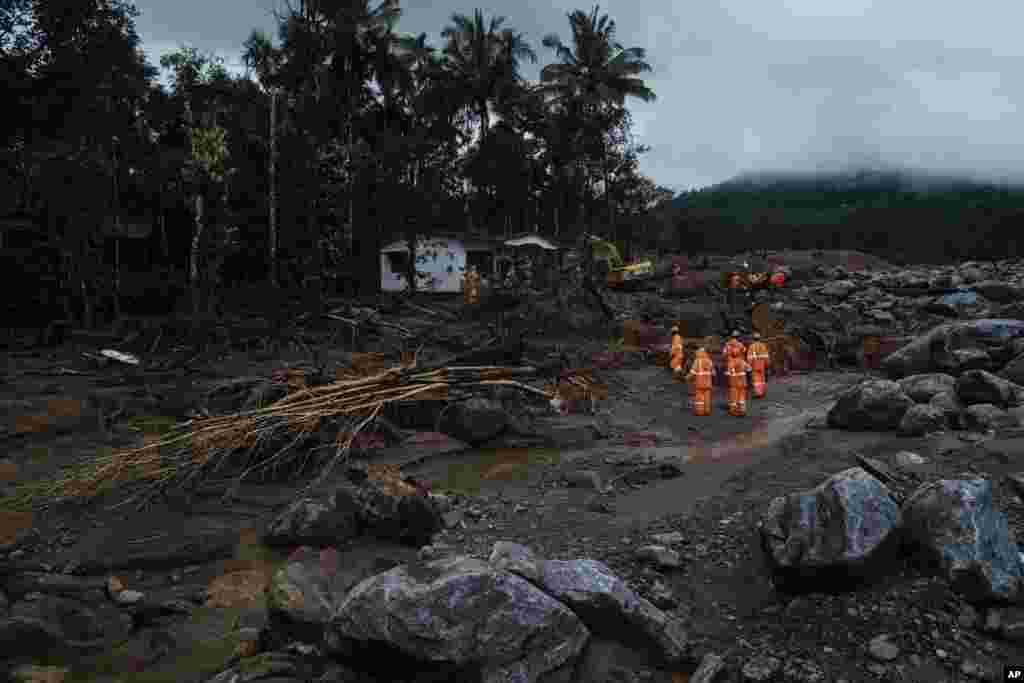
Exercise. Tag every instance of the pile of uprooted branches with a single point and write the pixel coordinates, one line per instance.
(265, 439)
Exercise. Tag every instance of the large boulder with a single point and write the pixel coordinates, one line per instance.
(611, 609)
(306, 590)
(916, 357)
(951, 406)
(475, 420)
(956, 523)
(1014, 370)
(841, 524)
(871, 405)
(463, 612)
(600, 598)
(979, 386)
(923, 387)
(391, 510)
(965, 360)
(1000, 292)
(49, 624)
(318, 521)
(922, 419)
(982, 417)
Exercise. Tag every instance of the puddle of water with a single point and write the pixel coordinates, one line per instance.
(765, 433)
(497, 464)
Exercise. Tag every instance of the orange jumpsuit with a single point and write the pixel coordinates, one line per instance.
(758, 358)
(733, 348)
(736, 372)
(676, 354)
(471, 288)
(701, 374)
(872, 351)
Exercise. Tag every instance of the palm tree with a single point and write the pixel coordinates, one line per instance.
(261, 55)
(485, 59)
(593, 78)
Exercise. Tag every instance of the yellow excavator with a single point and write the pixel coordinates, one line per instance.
(620, 275)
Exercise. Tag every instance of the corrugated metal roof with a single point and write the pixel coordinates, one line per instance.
(532, 240)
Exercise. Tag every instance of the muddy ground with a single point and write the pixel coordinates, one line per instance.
(729, 469)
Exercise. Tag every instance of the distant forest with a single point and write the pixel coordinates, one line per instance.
(901, 216)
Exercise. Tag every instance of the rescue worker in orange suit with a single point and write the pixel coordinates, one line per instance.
(872, 352)
(734, 290)
(701, 376)
(736, 369)
(676, 353)
(733, 347)
(759, 359)
(471, 287)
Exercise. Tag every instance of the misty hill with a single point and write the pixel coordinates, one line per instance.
(899, 214)
(876, 179)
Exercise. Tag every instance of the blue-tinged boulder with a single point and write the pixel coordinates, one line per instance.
(841, 528)
(462, 615)
(956, 524)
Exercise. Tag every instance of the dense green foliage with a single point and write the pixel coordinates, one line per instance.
(345, 133)
(899, 215)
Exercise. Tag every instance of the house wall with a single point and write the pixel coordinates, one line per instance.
(442, 266)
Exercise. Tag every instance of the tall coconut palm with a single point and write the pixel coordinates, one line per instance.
(593, 77)
(484, 58)
(261, 55)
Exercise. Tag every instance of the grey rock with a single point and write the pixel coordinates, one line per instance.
(516, 558)
(319, 521)
(1010, 624)
(801, 670)
(958, 525)
(305, 592)
(662, 596)
(923, 419)
(916, 357)
(1000, 292)
(985, 416)
(40, 624)
(475, 420)
(584, 479)
(965, 360)
(761, 668)
(840, 523)
(908, 460)
(921, 388)
(607, 605)
(883, 648)
(660, 556)
(266, 667)
(710, 669)
(670, 538)
(951, 406)
(871, 405)
(463, 611)
(1014, 370)
(980, 386)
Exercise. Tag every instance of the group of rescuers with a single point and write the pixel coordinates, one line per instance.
(739, 360)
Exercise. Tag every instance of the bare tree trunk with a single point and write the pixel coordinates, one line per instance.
(117, 278)
(272, 172)
(193, 257)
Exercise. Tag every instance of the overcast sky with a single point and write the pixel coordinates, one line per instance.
(750, 85)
